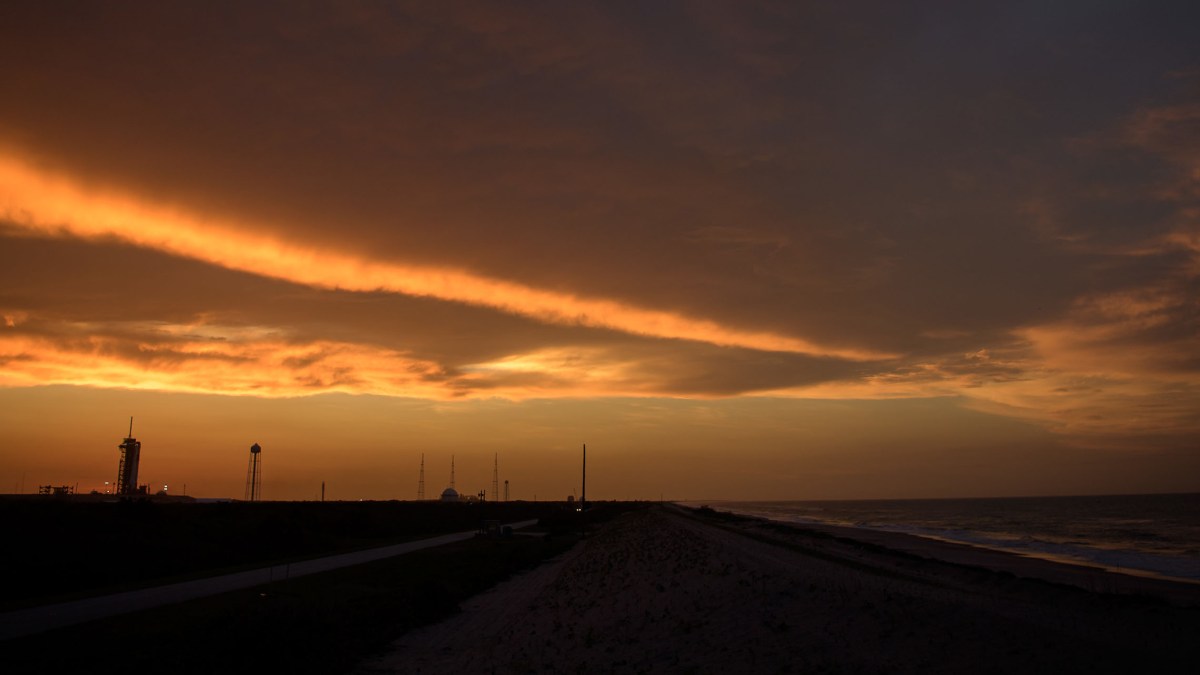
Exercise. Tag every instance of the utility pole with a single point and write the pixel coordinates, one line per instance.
(583, 494)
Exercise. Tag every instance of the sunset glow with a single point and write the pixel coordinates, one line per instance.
(740, 250)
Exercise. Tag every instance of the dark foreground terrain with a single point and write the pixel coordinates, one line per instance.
(63, 549)
(651, 589)
(323, 623)
(668, 590)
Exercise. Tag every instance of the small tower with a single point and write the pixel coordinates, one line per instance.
(452, 471)
(254, 475)
(496, 477)
(127, 470)
(505, 489)
(421, 481)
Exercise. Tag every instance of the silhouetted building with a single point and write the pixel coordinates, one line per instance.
(449, 495)
(56, 490)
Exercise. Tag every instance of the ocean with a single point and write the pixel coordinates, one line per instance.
(1147, 535)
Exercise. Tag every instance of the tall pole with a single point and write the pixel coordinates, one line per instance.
(496, 478)
(583, 493)
(421, 482)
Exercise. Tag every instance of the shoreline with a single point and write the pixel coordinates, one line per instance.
(1065, 560)
(1177, 591)
(881, 533)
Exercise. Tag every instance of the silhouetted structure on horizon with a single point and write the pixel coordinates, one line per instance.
(421, 481)
(450, 494)
(496, 478)
(254, 475)
(56, 490)
(127, 470)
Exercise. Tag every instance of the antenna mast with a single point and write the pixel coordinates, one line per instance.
(451, 470)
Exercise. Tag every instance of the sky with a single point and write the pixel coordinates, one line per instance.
(743, 250)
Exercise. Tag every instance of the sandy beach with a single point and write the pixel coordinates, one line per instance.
(664, 590)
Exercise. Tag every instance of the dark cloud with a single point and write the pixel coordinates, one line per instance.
(936, 181)
(140, 307)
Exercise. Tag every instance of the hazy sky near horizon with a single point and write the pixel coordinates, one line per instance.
(742, 249)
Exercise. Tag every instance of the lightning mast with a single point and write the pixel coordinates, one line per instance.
(421, 482)
(496, 478)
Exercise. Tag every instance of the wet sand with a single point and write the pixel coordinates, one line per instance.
(663, 591)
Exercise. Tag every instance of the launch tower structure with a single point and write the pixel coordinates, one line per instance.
(127, 471)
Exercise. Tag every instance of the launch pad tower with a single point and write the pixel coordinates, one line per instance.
(127, 471)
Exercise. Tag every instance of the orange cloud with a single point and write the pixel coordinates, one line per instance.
(212, 358)
(265, 368)
(51, 205)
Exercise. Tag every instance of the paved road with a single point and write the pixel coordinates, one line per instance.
(46, 617)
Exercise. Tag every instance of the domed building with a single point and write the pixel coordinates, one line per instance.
(449, 495)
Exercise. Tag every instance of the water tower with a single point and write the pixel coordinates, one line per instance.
(254, 475)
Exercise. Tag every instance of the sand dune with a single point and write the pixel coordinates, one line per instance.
(661, 591)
